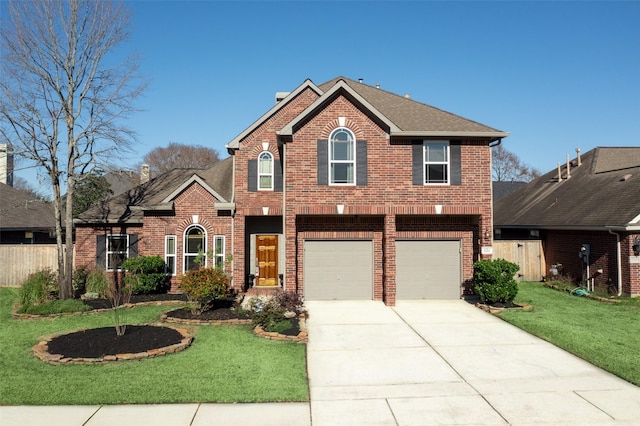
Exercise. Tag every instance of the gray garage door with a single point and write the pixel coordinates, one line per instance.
(338, 270)
(428, 270)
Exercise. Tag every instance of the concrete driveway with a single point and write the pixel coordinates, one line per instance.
(448, 362)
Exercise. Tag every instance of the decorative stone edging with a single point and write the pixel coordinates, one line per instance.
(41, 350)
(16, 315)
(302, 337)
(496, 310)
(232, 321)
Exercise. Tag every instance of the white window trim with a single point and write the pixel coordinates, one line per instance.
(425, 163)
(330, 161)
(217, 255)
(108, 252)
(184, 247)
(174, 255)
(270, 174)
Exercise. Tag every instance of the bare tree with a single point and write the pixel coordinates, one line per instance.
(507, 167)
(180, 156)
(23, 185)
(64, 94)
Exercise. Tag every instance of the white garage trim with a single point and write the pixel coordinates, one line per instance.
(428, 269)
(338, 269)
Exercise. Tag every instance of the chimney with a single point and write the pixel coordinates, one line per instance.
(579, 160)
(144, 173)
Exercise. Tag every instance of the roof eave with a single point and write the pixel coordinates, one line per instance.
(235, 142)
(450, 134)
(192, 179)
(340, 85)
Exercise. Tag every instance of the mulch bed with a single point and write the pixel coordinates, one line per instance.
(137, 298)
(99, 342)
(222, 310)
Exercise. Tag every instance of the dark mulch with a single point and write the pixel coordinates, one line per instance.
(136, 298)
(98, 342)
(221, 310)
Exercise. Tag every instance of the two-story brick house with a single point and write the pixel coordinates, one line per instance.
(340, 191)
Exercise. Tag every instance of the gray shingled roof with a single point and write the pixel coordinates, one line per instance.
(129, 206)
(408, 114)
(21, 211)
(603, 192)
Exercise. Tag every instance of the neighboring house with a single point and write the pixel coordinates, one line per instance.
(25, 219)
(339, 191)
(502, 188)
(587, 215)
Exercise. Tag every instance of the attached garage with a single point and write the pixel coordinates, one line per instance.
(428, 270)
(338, 270)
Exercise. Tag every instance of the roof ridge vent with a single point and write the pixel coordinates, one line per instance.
(626, 177)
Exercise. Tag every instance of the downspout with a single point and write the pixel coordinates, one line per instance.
(233, 220)
(618, 260)
(284, 213)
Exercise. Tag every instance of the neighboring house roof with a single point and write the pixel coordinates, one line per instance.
(22, 211)
(122, 180)
(502, 188)
(158, 194)
(603, 192)
(400, 115)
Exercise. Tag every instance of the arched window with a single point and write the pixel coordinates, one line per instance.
(342, 157)
(265, 171)
(195, 248)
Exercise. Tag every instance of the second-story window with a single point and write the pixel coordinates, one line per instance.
(436, 163)
(342, 157)
(265, 171)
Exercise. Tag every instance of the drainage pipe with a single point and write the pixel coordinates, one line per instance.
(618, 261)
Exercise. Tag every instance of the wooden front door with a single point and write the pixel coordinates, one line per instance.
(267, 260)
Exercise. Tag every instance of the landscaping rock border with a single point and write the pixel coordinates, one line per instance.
(302, 337)
(497, 310)
(41, 350)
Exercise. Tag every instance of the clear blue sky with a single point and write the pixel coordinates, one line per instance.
(556, 75)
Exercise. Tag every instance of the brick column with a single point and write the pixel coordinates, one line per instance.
(389, 256)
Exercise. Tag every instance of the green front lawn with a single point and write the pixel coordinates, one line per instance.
(224, 364)
(605, 334)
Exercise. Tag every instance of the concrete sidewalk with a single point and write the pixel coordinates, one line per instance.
(419, 363)
(447, 362)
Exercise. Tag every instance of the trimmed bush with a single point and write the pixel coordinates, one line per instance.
(203, 286)
(145, 274)
(494, 280)
(272, 312)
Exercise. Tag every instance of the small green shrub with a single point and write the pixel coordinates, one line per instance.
(79, 279)
(55, 306)
(203, 286)
(494, 280)
(145, 274)
(97, 282)
(271, 313)
(38, 288)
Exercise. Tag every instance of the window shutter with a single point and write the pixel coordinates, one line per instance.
(417, 151)
(323, 162)
(277, 176)
(252, 173)
(456, 163)
(361, 163)
(101, 251)
(133, 245)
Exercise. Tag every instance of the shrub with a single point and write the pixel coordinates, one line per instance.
(270, 313)
(55, 306)
(203, 286)
(79, 280)
(145, 274)
(38, 288)
(97, 282)
(494, 280)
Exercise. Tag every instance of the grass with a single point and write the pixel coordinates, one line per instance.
(224, 364)
(604, 334)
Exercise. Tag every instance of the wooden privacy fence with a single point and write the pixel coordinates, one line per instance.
(528, 254)
(17, 262)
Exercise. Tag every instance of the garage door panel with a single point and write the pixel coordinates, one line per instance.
(338, 270)
(427, 269)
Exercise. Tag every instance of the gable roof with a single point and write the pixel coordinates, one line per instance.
(399, 115)
(22, 211)
(602, 193)
(502, 188)
(159, 192)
